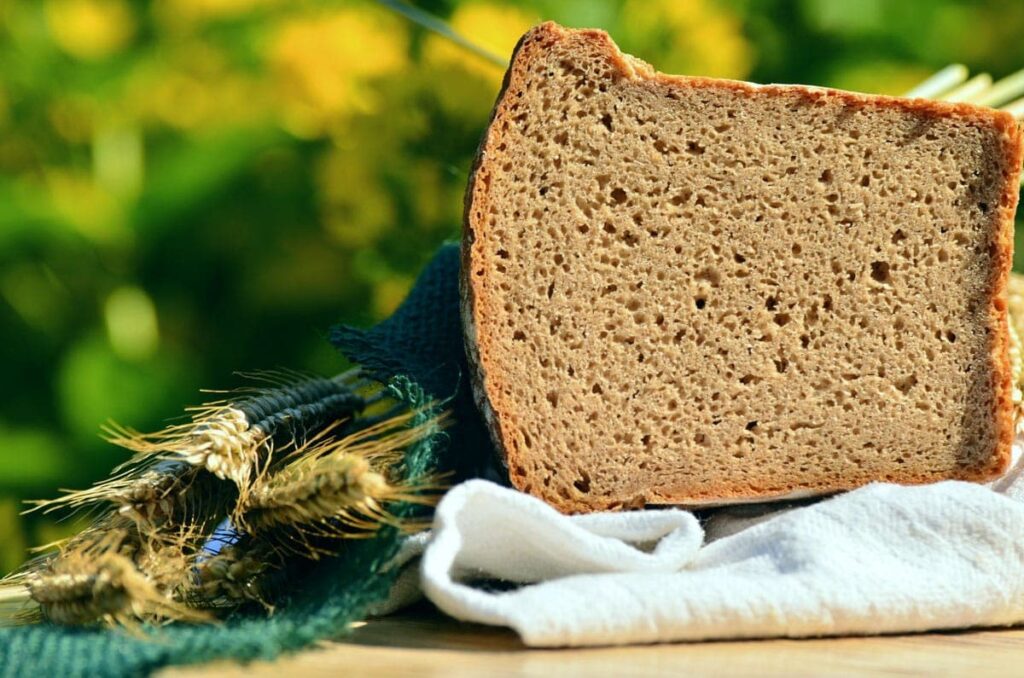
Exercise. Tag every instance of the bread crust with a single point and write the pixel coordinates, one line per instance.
(468, 307)
(487, 384)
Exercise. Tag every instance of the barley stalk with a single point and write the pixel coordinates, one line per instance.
(170, 493)
(107, 589)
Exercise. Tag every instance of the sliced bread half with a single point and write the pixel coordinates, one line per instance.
(684, 290)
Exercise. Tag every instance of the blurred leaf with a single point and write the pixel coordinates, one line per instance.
(851, 18)
(877, 77)
(35, 293)
(697, 37)
(131, 323)
(388, 294)
(1018, 246)
(323, 69)
(30, 458)
(46, 530)
(96, 386)
(27, 214)
(184, 176)
(12, 537)
(495, 27)
(580, 13)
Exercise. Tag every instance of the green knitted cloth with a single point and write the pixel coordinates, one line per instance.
(419, 353)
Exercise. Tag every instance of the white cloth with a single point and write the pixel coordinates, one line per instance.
(881, 559)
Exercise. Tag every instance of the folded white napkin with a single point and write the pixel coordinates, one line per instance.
(880, 559)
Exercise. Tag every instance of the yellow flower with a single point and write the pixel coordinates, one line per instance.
(326, 63)
(496, 28)
(90, 29)
(694, 37)
(196, 87)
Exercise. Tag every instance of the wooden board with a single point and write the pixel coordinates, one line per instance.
(426, 644)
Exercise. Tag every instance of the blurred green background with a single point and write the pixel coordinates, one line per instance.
(194, 187)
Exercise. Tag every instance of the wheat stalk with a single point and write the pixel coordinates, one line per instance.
(952, 84)
(171, 493)
(439, 26)
(167, 482)
(144, 561)
(230, 438)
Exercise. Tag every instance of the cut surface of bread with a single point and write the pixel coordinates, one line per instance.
(693, 291)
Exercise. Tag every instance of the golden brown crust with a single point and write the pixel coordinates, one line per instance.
(487, 393)
(473, 205)
(488, 384)
(1003, 261)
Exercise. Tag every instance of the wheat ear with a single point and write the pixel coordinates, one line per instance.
(106, 576)
(239, 573)
(339, 488)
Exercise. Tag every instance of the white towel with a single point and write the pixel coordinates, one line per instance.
(881, 559)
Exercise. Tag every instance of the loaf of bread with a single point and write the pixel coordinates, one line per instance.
(681, 290)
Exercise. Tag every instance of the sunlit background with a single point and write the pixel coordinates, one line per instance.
(194, 187)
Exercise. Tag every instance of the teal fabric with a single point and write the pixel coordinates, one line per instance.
(419, 353)
(423, 340)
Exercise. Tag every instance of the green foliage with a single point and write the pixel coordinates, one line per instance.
(194, 187)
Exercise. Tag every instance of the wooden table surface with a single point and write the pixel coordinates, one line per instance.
(426, 644)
